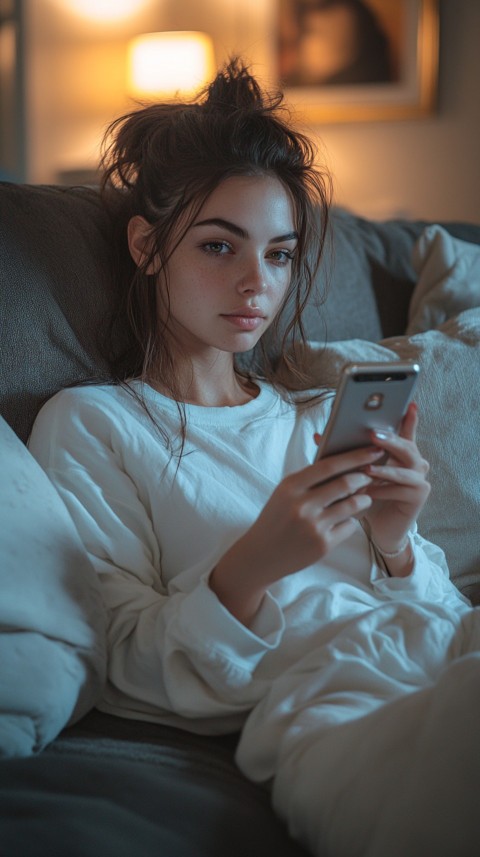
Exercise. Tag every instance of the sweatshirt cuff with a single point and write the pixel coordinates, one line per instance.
(414, 584)
(208, 626)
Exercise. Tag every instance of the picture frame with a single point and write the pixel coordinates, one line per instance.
(410, 30)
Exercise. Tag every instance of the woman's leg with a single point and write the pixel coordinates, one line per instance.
(365, 743)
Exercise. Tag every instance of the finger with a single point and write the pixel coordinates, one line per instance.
(340, 488)
(402, 486)
(342, 531)
(416, 470)
(411, 500)
(405, 504)
(394, 491)
(350, 507)
(408, 427)
(400, 448)
(332, 466)
(391, 473)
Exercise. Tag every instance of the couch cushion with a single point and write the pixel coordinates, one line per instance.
(55, 280)
(122, 788)
(52, 651)
(447, 393)
(368, 277)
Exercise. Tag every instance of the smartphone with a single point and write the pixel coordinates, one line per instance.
(369, 396)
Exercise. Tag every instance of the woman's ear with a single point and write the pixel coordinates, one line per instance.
(139, 234)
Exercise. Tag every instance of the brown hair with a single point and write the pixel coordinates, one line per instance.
(164, 160)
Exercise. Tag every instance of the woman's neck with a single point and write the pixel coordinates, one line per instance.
(209, 385)
(240, 393)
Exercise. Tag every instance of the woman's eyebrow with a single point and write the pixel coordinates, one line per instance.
(240, 232)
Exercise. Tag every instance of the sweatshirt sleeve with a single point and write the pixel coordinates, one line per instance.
(171, 649)
(429, 580)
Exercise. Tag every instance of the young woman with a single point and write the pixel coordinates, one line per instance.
(241, 587)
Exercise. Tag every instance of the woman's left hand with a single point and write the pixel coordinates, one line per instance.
(400, 487)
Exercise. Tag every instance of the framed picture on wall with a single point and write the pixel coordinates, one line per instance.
(358, 60)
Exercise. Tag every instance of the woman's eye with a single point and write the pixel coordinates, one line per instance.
(282, 257)
(216, 248)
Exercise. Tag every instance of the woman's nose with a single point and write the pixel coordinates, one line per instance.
(253, 279)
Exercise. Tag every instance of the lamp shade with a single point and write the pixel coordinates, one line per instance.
(162, 65)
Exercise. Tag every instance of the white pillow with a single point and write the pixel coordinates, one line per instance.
(448, 279)
(52, 624)
(448, 392)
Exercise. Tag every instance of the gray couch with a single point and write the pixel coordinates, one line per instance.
(74, 781)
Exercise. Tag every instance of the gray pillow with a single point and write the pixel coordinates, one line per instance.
(52, 625)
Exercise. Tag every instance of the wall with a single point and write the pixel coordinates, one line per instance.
(76, 70)
(75, 82)
(424, 168)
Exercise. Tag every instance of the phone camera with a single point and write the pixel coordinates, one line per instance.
(374, 402)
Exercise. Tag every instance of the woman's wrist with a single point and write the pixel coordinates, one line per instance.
(396, 552)
(399, 562)
(230, 584)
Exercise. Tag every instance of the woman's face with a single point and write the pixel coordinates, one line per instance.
(229, 274)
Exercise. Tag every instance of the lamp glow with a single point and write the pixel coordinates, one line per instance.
(104, 11)
(162, 65)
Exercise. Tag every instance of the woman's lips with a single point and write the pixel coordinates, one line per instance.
(244, 321)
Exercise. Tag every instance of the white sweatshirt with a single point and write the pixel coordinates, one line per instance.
(154, 530)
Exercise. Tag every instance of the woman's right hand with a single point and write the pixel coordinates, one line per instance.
(308, 514)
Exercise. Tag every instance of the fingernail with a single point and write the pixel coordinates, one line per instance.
(382, 435)
(363, 479)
